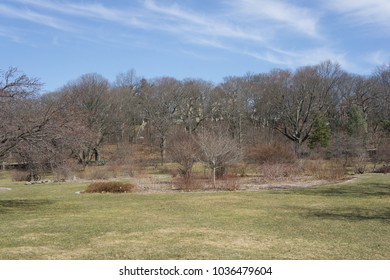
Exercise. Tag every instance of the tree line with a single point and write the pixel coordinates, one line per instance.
(313, 109)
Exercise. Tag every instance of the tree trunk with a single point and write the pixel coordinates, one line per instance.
(162, 149)
(214, 169)
(298, 146)
(96, 154)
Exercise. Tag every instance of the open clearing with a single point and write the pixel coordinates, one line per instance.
(350, 220)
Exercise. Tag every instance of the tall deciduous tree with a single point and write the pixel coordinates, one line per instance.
(192, 110)
(300, 97)
(23, 117)
(160, 101)
(35, 128)
(91, 93)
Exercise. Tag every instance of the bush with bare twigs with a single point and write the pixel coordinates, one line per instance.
(188, 184)
(20, 176)
(218, 150)
(110, 187)
(274, 172)
(332, 170)
(230, 184)
(270, 153)
(383, 169)
(184, 150)
(98, 174)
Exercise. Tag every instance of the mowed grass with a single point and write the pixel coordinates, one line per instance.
(344, 221)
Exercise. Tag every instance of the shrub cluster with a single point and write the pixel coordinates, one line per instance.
(188, 184)
(230, 184)
(325, 169)
(110, 187)
(19, 176)
(270, 153)
(271, 172)
(383, 169)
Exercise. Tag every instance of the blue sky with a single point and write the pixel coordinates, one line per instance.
(59, 40)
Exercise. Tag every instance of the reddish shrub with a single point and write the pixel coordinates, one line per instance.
(110, 187)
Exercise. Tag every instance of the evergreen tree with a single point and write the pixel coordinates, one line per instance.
(321, 132)
(356, 125)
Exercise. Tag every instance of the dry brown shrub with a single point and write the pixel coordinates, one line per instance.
(239, 169)
(115, 168)
(65, 171)
(270, 153)
(383, 152)
(110, 187)
(332, 170)
(383, 169)
(98, 174)
(230, 184)
(274, 172)
(188, 184)
(19, 176)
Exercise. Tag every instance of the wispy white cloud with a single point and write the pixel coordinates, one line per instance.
(10, 34)
(359, 12)
(89, 11)
(213, 30)
(378, 57)
(179, 19)
(253, 28)
(282, 13)
(28, 15)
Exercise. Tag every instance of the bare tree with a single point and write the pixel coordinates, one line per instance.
(184, 150)
(160, 102)
(23, 117)
(16, 84)
(37, 130)
(218, 150)
(236, 99)
(301, 96)
(192, 108)
(125, 98)
(91, 95)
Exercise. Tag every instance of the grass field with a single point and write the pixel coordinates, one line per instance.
(344, 221)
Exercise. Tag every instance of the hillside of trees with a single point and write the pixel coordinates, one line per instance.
(315, 112)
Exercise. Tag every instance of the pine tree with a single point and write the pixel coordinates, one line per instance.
(321, 132)
(356, 125)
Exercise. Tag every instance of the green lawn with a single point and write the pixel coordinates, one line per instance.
(344, 221)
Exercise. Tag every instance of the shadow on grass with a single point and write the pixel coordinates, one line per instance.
(22, 204)
(366, 190)
(350, 214)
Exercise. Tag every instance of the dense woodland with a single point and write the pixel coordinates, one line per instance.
(317, 112)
